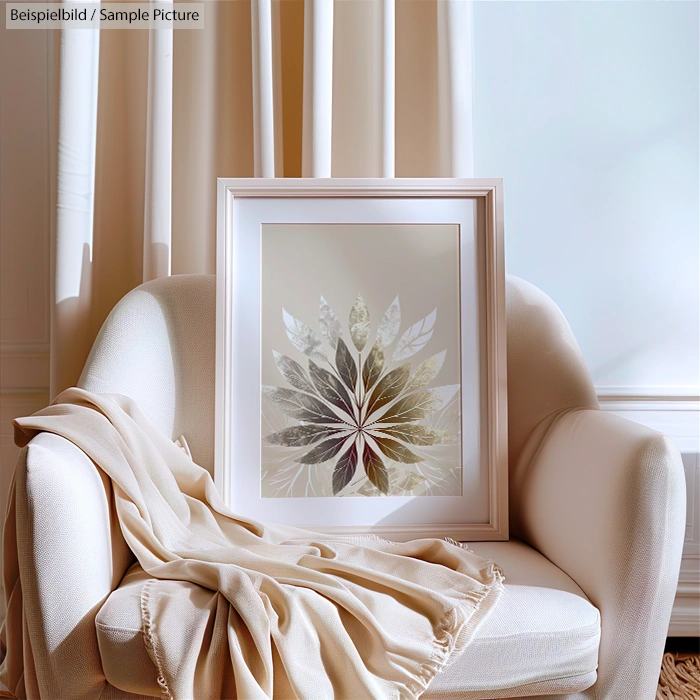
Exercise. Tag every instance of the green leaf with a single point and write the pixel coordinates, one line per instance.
(374, 468)
(345, 364)
(388, 388)
(301, 406)
(373, 365)
(299, 435)
(359, 323)
(396, 451)
(417, 434)
(330, 388)
(324, 451)
(345, 469)
(293, 372)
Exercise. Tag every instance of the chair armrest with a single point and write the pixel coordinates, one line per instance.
(604, 499)
(71, 555)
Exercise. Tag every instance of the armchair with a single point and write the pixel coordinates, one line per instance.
(596, 504)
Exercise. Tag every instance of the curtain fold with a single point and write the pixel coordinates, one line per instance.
(157, 229)
(148, 120)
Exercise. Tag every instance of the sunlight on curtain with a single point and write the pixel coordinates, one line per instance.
(149, 120)
(75, 199)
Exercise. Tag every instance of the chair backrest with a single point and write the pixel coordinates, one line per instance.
(546, 370)
(158, 347)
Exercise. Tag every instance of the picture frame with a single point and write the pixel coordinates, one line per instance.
(306, 273)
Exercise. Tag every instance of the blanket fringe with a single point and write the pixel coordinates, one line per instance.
(149, 640)
(452, 635)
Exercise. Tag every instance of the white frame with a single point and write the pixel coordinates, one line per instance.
(488, 196)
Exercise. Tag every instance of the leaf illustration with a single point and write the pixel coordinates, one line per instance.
(388, 388)
(411, 481)
(301, 406)
(329, 323)
(345, 364)
(373, 365)
(415, 338)
(345, 469)
(375, 469)
(323, 452)
(389, 325)
(359, 323)
(417, 434)
(396, 451)
(299, 435)
(330, 388)
(303, 338)
(293, 372)
(426, 372)
(419, 404)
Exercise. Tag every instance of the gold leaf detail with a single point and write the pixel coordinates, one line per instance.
(426, 372)
(417, 434)
(373, 365)
(419, 404)
(388, 388)
(396, 451)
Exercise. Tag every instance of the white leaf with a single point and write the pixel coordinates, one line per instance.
(329, 324)
(390, 323)
(415, 338)
(359, 323)
(303, 338)
(442, 395)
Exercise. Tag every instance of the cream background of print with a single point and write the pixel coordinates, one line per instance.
(419, 263)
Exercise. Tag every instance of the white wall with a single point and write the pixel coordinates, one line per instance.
(589, 111)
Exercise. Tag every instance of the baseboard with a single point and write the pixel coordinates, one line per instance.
(685, 617)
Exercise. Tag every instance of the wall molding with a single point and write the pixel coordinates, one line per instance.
(666, 393)
(24, 368)
(674, 411)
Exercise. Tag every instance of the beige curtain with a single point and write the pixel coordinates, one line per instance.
(147, 121)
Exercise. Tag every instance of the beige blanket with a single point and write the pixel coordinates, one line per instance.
(281, 612)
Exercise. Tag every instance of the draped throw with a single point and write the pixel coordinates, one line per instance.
(147, 121)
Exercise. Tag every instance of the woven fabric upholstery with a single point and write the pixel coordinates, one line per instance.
(601, 498)
(158, 347)
(543, 633)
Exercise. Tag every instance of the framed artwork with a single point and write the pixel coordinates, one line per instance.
(361, 355)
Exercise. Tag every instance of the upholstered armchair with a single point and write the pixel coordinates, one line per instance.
(596, 514)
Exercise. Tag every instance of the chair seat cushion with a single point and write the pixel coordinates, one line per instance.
(540, 639)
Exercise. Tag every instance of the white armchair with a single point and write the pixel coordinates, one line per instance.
(597, 505)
